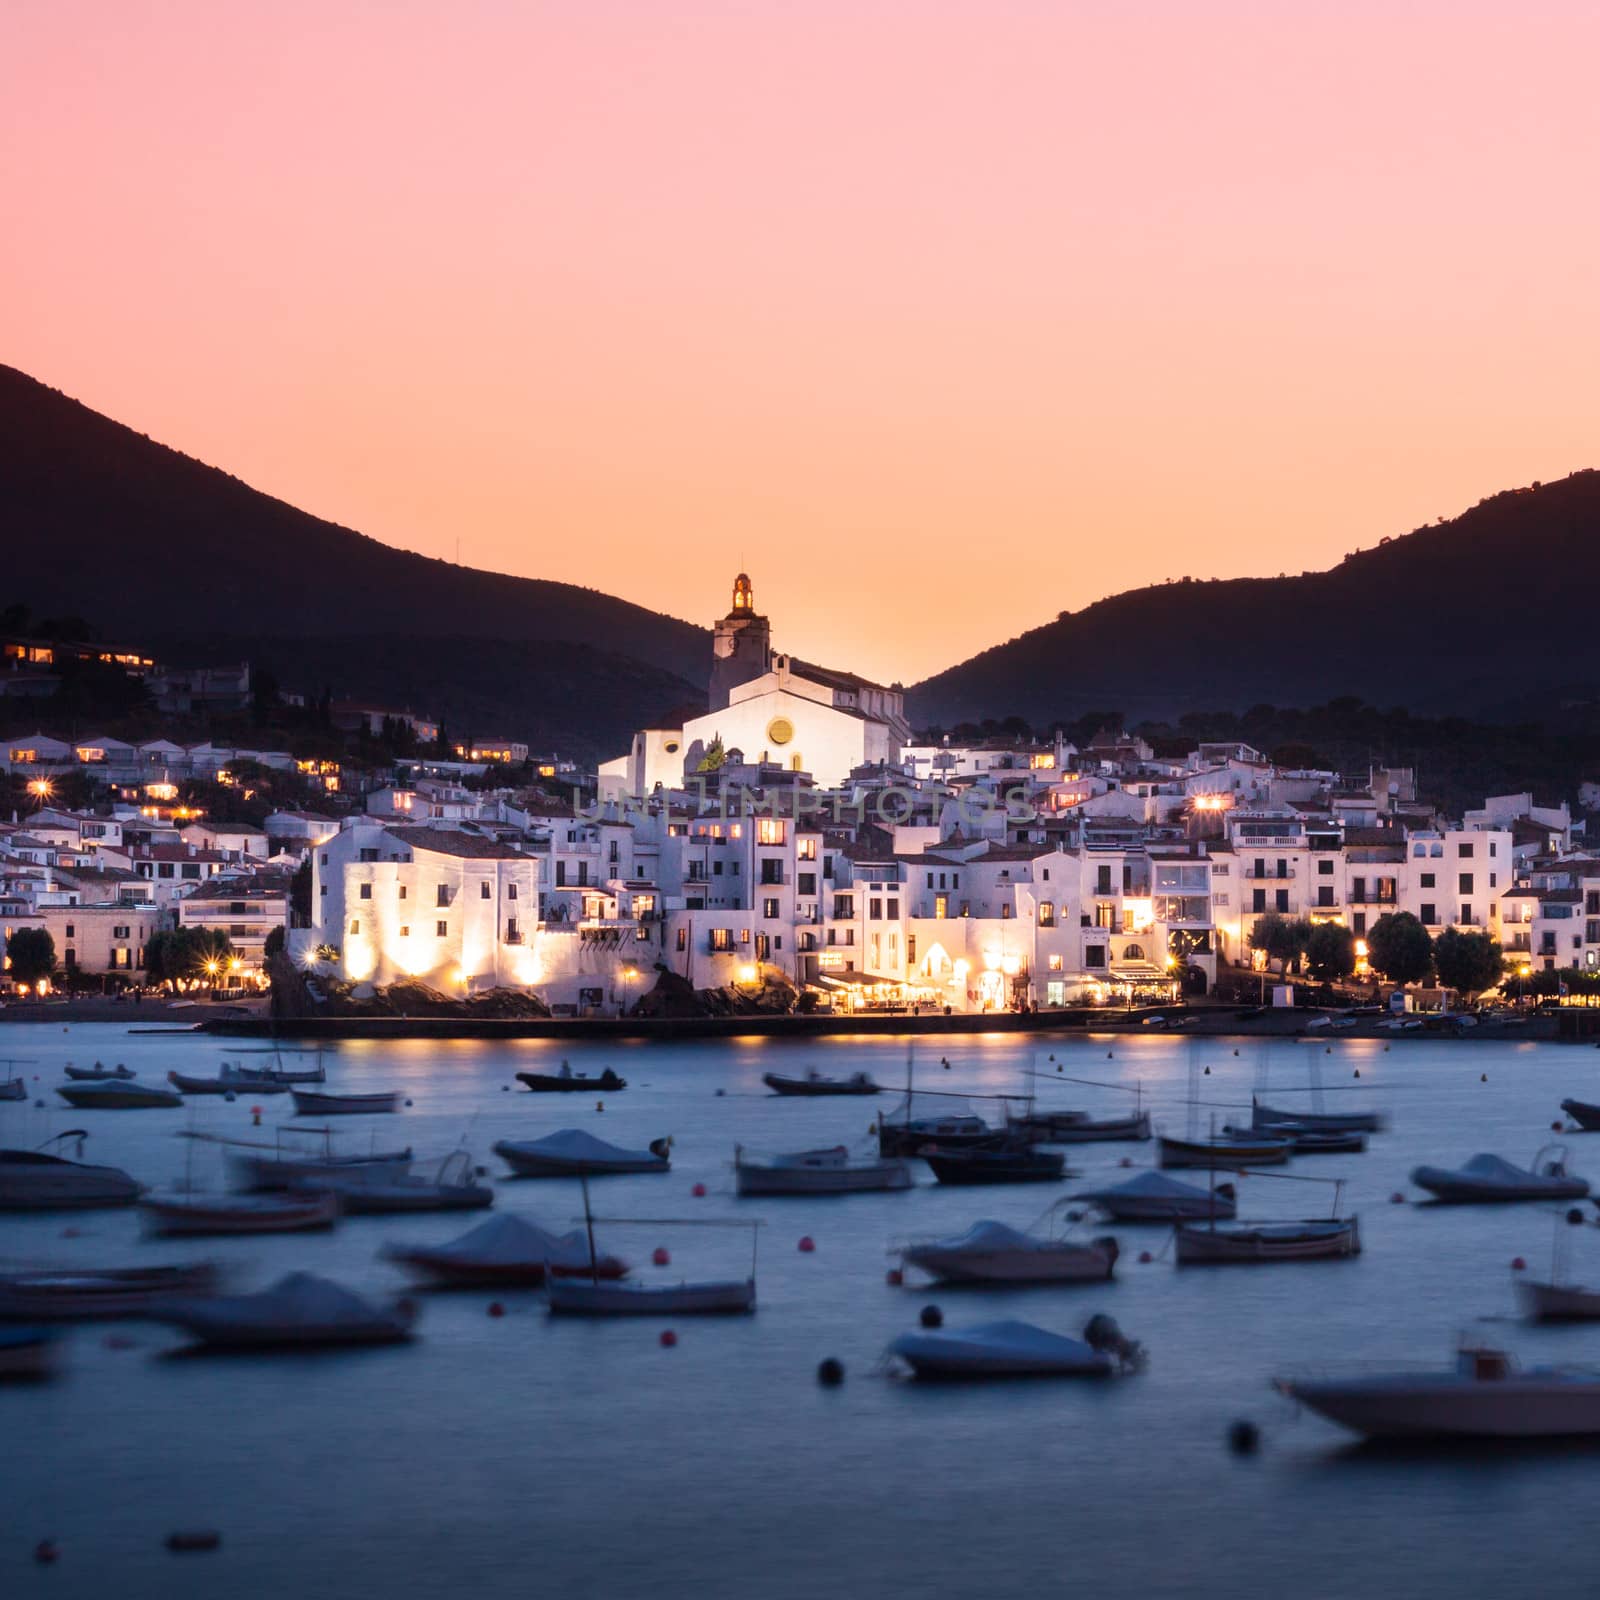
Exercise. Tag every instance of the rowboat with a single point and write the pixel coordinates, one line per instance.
(195, 1217)
(1586, 1115)
(376, 1191)
(582, 1297)
(1488, 1179)
(28, 1354)
(814, 1084)
(1221, 1243)
(1264, 1117)
(828, 1171)
(119, 1095)
(316, 1103)
(572, 1153)
(35, 1180)
(300, 1311)
(1225, 1150)
(506, 1251)
(1074, 1127)
(73, 1295)
(98, 1073)
(1020, 1164)
(186, 1083)
(1007, 1349)
(283, 1077)
(991, 1253)
(1154, 1197)
(565, 1082)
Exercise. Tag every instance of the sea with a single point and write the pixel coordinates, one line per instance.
(524, 1455)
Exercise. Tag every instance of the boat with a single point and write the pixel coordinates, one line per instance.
(37, 1180)
(73, 1294)
(185, 1083)
(583, 1297)
(316, 1103)
(1485, 1396)
(227, 1082)
(1154, 1197)
(204, 1216)
(1558, 1302)
(815, 1084)
(572, 1153)
(28, 1354)
(828, 1171)
(263, 1166)
(1487, 1179)
(98, 1073)
(378, 1191)
(1007, 1349)
(1264, 1118)
(299, 1311)
(1018, 1164)
(1308, 1141)
(505, 1251)
(280, 1077)
(1225, 1150)
(14, 1089)
(1090, 1130)
(993, 1253)
(1587, 1116)
(566, 1082)
(957, 1131)
(119, 1095)
(1220, 1243)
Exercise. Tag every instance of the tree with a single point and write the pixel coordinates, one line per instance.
(205, 953)
(1330, 952)
(1269, 935)
(161, 958)
(274, 943)
(1470, 962)
(31, 953)
(1399, 947)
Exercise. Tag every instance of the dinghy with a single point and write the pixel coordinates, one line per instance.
(1154, 1197)
(35, 1180)
(815, 1084)
(98, 1073)
(993, 1253)
(828, 1171)
(300, 1311)
(955, 1131)
(572, 1153)
(318, 1103)
(565, 1082)
(111, 1094)
(377, 1191)
(79, 1294)
(1488, 1179)
(1007, 1349)
(14, 1089)
(184, 1083)
(506, 1251)
(1221, 1243)
(207, 1216)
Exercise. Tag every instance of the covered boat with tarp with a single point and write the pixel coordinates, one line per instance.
(1154, 1197)
(1488, 1179)
(1009, 1349)
(573, 1153)
(506, 1251)
(299, 1311)
(992, 1252)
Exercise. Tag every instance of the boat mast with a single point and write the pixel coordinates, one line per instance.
(588, 1223)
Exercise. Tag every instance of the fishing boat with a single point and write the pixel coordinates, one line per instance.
(300, 1311)
(1485, 1395)
(1215, 1243)
(378, 1191)
(572, 1153)
(1008, 1349)
(37, 1180)
(830, 1171)
(1016, 1164)
(98, 1073)
(70, 1295)
(1309, 1141)
(1264, 1118)
(567, 1082)
(1586, 1115)
(316, 1103)
(1488, 1179)
(205, 1216)
(1154, 1197)
(815, 1084)
(1225, 1150)
(991, 1253)
(507, 1251)
(119, 1095)
(28, 1354)
(280, 1166)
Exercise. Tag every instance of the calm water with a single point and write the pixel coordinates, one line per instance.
(525, 1455)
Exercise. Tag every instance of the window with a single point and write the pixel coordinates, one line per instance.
(1005, 912)
(1426, 880)
(1466, 915)
(1047, 914)
(1102, 881)
(1281, 899)
(874, 910)
(716, 867)
(405, 930)
(120, 933)
(1430, 913)
(324, 858)
(894, 910)
(70, 933)
(769, 830)
(941, 905)
(744, 936)
(442, 895)
(366, 855)
(844, 907)
(683, 938)
(365, 892)
(1325, 869)
(769, 908)
(1358, 922)
(355, 924)
(561, 873)
(442, 929)
(484, 891)
(1325, 895)
(322, 889)
(771, 869)
(722, 939)
(511, 891)
(1463, 883)
(512, 936)
(1464, 849)
(1054, 963)
(1258, 900)
(805, 883)
(402, 891)
(1094, 955)
(806, 849)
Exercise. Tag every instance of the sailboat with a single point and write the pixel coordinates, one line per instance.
(1219, 1242)
(1558, 1300)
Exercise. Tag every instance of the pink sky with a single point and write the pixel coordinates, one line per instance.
(938, 317)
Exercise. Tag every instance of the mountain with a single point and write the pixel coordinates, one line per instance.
(1487, 615)
(191, 564)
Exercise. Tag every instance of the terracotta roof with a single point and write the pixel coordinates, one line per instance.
(449, 842)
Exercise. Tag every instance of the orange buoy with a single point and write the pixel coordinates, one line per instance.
(660, 1257)
(255, 1115)
(807, 1244)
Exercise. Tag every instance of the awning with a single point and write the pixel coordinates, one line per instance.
(1139, 971)
(850, 978)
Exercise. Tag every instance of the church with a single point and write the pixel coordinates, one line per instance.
(773, 709)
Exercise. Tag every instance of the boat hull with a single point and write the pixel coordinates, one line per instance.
(1587, 1116)
(582, 1297)
(812, 1087)
(361, 1198)
(28, 1355)
(754, 1179)
(1200, 1245)
(553, 1083)
(1111, 1130)
(1131, 1208)
(972, 1167)
(1263, 1118)
(83, 1296)
(1067, 1264)
(309, 1103)
(1555, 1302)
(32, 1184)
(177, 1219)
(1453, 1189)
(1245, 1153)
(267, 1173)
(111, 1095)
(1522, 1407)
(531, 1164)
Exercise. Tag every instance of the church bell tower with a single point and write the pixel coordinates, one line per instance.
(741, 646)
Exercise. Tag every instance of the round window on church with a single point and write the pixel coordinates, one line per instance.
(780, 730)
(671, 747)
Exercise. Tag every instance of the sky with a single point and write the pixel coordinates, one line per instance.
(939, 317)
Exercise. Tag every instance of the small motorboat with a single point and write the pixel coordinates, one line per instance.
(378, 1191)
(828, 1171)
(992, 1253)
(815, 1084)
(507, 1251)
(98, 1073)
(572, 1153)
(14, 1089)
(258, 1167)
(1308, 1141)
(268, 1080)
(206, 1216)
(567, 1082)
(28, 1355)
(1226, 1150)
(583, 1296)
(1018, 1164)
(1582, 1112)
(1485, 1396)
(225, 1083)
(317, 1103)
(300, 1311)
(1221, 1243)
(1488, 1179)
(72, 1295)
(36, 1180)
(1154, 1197)
(1558, 1302)
(119, 1095)
(1007, 1349)
(1263, 1118)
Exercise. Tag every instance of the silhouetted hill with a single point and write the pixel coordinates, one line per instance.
(184, 559)
(1486, 615)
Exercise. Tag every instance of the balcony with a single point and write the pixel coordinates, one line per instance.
(1272, 876)
(1370, 897)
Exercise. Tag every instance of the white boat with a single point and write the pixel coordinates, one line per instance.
(506, 1251)
(119, 1094)
(999, 1350)
(572, 1153)
(1219, 1244)
(99, 1073)
(1558, 1302)
(1484, 1396)
(379, 1191)
(585, 1297)
(28, 1354)
(204, 1216)
(73, 1295)
(276, 1166)
(299, 1311)
(1263, 1118)
(319, 1103)
(271, 1080)
(1489, 1178)
(828, 1171)
(35, 1180)
(992, 1253)
(1154, 1197)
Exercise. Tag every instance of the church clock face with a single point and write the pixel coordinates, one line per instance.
(780, 730)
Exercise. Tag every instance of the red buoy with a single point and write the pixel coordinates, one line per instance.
(1397, 1199)
(699, 1191)
(1518, 1264)
(1555, 1127)
(1126, 1161)
(46, 1552)
(807, 1244)
(669, 1339)
(495, 1309)
(894, 1277)
(660, 1257)
(1145, 1258)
